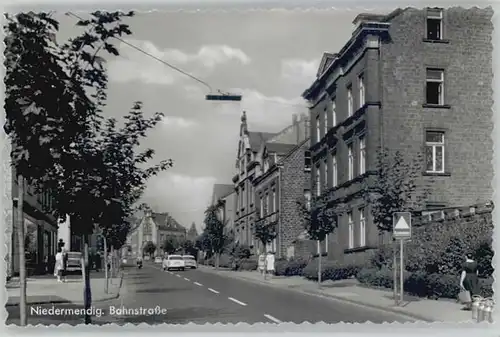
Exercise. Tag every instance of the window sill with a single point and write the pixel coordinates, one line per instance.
(443, 41)
(357, 249)
(436, 174)
(436, 106)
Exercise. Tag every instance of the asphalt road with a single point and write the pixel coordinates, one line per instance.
(194, 296)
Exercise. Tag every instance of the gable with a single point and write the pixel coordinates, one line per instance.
(326, 61)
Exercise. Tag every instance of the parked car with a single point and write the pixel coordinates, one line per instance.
(158, 259)
(74, 262)
(190, 261)
(173, 262)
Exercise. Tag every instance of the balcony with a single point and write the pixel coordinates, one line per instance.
(269, 219)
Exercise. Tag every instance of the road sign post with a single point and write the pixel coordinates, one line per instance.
(401, 231)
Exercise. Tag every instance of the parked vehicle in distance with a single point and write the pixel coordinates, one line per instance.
(190, 261)
(74, 262)
(158, 259)
(173, 262)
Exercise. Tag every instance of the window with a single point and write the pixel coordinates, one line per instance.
(273, 196)
(317, 181)
(362, 228)
(350, 155)
(307, 161)
(325, 178)
(434, 151)
(326, 122)
(362, 155)
(334, 113)
(434, 24)
(318, 131)
(334, 170)
(252, 195)
(350, 105)
(435, 86)
(261, 204)
(267, 205)
(307, 197)
(361, 82)
(351, 230)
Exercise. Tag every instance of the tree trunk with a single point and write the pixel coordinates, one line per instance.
(87, 294)
(319, 263)
(22, 255)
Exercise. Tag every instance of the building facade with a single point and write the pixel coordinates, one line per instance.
(262, 183)
(40, 230)
(224, 195)
(155, 228)
(415, 81)
(192, 233)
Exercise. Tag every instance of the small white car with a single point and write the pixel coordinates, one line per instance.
(190, 261)
(173, 262)
(158, 259)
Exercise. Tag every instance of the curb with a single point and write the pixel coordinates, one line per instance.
(114, 297)
(338, 298)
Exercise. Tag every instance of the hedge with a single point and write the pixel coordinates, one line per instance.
(440, 247)
(331, 270)
(421, 284)
(292, 267)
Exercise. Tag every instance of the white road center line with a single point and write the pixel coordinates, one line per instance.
(177, 275)
(214, 291)
(274, 319)
(187, 279)
(198, 284)
(236, 301)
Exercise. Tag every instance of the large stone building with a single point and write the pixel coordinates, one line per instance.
(156, 228)
(418, 81)
(271, 177)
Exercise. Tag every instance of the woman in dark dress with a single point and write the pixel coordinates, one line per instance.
(469, 278)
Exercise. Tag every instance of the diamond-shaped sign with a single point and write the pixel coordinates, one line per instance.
(401, 225)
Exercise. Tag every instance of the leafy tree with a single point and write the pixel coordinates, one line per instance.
(170, 245)
(265, 232)
(149, 248)
(394, 187)
(215, 231)
(320, 219)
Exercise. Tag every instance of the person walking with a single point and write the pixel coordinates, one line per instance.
(469, 280)
(59, 265)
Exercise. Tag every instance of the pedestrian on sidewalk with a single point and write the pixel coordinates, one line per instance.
(469, 280)
(59, 265)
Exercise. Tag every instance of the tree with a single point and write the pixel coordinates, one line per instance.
(149, 248)
(320, 219)
(265, 232)
(170, 245)
(215, 232)
(394, 189)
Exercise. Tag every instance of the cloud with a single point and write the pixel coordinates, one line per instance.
(299, 70)
(133, 65)
(178, 122)
(183, 196)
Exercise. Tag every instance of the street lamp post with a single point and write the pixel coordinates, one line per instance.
(223, 96)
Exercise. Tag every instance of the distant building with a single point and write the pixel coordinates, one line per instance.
(417, 81)
(265, 169)
(225, 194)
(157, 228)
(192, 232)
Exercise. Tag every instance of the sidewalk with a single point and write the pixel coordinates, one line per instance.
(350, 291)
(46, 290)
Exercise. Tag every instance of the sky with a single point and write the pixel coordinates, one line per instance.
(270, 57)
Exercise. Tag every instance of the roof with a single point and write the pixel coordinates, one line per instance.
(223, 190)
(257, 138)
(280, 148)
(165, 221)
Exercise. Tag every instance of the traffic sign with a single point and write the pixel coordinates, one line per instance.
(401, 225)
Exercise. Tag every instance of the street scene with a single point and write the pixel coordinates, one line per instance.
(317, 166)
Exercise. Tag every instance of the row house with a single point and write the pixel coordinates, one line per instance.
(414, 81)
(225, 196)
(271, 177)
